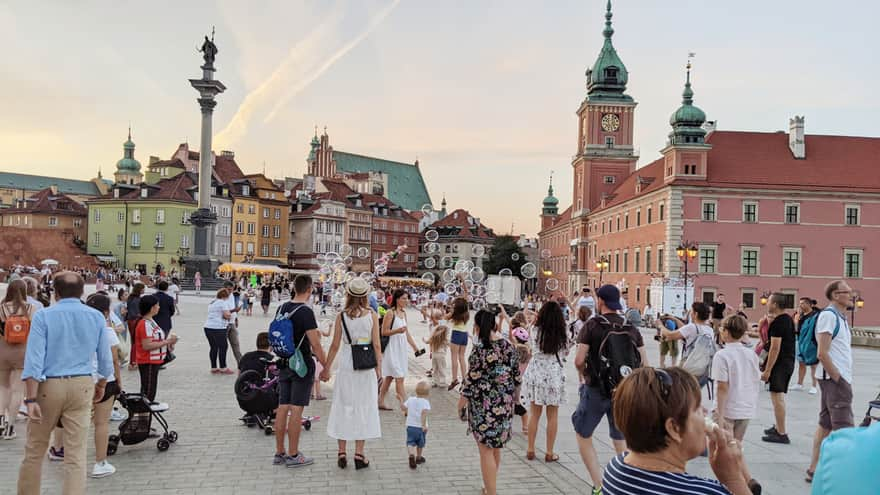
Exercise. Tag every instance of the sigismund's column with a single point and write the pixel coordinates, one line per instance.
(203, 219)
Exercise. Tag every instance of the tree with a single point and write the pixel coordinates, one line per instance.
(504, 250)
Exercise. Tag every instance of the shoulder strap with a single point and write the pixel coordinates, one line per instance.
(345, 327)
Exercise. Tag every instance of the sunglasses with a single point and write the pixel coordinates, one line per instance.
(665, 381)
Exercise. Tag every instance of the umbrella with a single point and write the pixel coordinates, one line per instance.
(49, 261)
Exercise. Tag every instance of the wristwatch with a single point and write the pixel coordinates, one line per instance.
(30, 401)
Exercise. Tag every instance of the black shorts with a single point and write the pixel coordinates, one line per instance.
(293, 390)
(780, 376)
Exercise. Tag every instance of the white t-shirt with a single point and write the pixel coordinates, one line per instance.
(587, 301)
(230, 306)
(215, 314)
(738, 366)
(840, 350)
(113, 340)
(173, 291)
(414, 408)
(690, 332)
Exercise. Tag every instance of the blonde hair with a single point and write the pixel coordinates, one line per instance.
(355, 305)
(523, 353)
(439, 339)
(518, 320)
(423, 389)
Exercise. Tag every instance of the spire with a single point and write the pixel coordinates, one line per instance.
(608, 32)
(687, 96)
(687, 121)
(129, 131)
(550, 189)
(607, 78)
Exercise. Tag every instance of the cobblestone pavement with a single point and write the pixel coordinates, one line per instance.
(217, 454)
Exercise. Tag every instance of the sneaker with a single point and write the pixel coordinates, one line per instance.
(158, 406)
(775, 437)
(56, 455)
(102, 469)
(117, 415)
(597, 490)
(771, 430)
(797, 386)
(9, 431)
(812, 391)
(755, 487)
(298, 460)
(279, 459)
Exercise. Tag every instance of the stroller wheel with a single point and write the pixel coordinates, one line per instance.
(112, 444)
(307, 425)
(163, 444)
(268, 431)
(172, 436)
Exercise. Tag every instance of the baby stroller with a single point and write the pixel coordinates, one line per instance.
(257, 395)
(138, 426)
(874, 404)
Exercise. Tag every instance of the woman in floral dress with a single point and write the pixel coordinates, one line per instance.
(487, 395)
(544, 379)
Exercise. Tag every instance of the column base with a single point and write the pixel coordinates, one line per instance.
(205, 265)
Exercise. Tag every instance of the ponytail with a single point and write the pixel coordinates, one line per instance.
(485, 321)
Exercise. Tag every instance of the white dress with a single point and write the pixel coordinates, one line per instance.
(394, 361)
(543, 383)
(353, 412)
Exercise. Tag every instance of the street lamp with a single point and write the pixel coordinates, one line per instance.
(858, 302)
(686, 251)
(765, 296)
(601, 265)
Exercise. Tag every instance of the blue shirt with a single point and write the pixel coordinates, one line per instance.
(848, 462)
(374, 303)
(63, 339)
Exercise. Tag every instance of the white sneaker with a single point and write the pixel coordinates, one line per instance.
(812, 391)
(103, 469)
(117, 415)
(797, 386)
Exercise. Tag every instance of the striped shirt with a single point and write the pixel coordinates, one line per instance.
(623, 479)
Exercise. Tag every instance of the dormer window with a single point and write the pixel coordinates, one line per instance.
(144, 192)
(246, 190)
(116, 193)
(611, 74)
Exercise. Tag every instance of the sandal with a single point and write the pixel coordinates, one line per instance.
(384, 408)
(342, 461)
(360, 462)
(551, 457)
(452, 385)
(810, 474)
(530, 456)
(320, 397)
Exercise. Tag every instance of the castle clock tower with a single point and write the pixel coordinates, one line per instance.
(605, 154)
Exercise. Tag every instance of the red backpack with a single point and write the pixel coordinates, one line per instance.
(16, 329)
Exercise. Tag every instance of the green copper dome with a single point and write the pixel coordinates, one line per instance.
(315, 144)
(550, 202)
(687, 122)
(608, 76)
(128, 163)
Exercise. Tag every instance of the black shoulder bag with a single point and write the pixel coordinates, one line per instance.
(363, 356)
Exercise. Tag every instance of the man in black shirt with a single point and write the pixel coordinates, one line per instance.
(719, 311)
(780, 365)
(265, 297)
(294, 391)
(593, 405)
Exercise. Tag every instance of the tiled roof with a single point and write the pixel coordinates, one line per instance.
(46, 202)
(462, 224)
(652, 172)
(763, 160)
(226, 169)
(174, 189)
(406, 187)
(39, 182)
(175, 163)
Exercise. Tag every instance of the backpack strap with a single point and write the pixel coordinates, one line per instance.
(837, 318)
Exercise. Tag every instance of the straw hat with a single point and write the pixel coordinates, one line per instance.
(357, 287)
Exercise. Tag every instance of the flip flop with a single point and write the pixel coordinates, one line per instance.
(530, 456)
(810, 474)
(551, 457)
(384, 408)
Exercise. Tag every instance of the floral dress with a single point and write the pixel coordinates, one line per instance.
(493, 375)
(544, 379)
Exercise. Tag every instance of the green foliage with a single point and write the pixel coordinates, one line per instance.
(501, 256)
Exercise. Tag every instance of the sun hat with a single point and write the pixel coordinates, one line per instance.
(357, 287)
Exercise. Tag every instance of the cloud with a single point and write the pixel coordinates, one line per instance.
(306, 61)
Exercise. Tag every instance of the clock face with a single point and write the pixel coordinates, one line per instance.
(610, 122)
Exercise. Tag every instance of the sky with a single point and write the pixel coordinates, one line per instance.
(483, 93)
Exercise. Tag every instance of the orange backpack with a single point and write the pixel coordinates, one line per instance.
(16, 329)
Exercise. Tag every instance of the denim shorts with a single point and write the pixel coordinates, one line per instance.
(589, 412)
(415, 437)
(459, 338)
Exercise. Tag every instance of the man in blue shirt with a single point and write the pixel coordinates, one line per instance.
(59, 385)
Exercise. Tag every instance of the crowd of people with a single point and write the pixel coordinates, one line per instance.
(66, 372)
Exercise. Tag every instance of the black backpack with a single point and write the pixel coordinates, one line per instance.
(618, 356)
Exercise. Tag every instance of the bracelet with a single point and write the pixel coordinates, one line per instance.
(30, 401)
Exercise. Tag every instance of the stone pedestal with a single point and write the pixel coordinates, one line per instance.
(203, 221)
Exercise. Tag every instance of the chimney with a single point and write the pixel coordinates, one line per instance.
(710, 126)
(228, 154)
(154, 159)
(796, 137)
(53, 189)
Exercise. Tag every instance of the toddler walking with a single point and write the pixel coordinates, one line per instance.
(439, 344)
(416, 410)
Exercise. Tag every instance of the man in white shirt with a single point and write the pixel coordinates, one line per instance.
(834, 338)
(233, 307)
(585, 300)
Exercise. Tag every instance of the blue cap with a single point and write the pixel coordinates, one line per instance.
(610, 295)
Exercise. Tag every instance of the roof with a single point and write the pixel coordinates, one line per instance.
(462, 224)
(226, 169)
(173, 189)
(764, 160)
(46, 202)
(39, 182)
(651, 176)
(175, 163)
(406, 186)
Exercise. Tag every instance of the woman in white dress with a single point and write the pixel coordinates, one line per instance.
(394, 361)
(353, 413)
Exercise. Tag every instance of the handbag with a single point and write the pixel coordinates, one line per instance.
(363, 356)
(297, 362)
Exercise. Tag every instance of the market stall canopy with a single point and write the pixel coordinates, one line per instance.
(247, 268)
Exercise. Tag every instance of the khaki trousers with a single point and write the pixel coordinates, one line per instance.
(70, 400)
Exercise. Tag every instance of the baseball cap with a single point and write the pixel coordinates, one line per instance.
(610, 294)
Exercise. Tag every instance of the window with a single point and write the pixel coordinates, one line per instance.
(120, 217)
(707, 260)
(97, 216)
(250, 248)
(276, 231)
(636, 264)
(649, 214)
(276, 250)
(53, 221)
(135, 239)
(160, 216)
(277, 213)
(184, 217)
(638, 218)
(239, 227)
(788, 298)
(617, 262)
(749, 261)
(709, 211)
(265, 231)
(792, 213)
(690, 169)
(626, 262)
(252, 228)
(160, 240)
(96, 239)
(609, 179)
(184, 241)
(144, 192)
(225, 213)
(240, 209)
(264, 249)
(265, 212)
(661, 211)
(120, 239)
(252, 209)
(618, 223)
(791, 262)
(709, 296)
(609, 141)
(750, 212)
(660, 259)
(319, 226)
(136, 215)
(626, 221)
(239, 248)
(246, 191)
(647, 260)
(852, 215)
(748, 298)
(852, 263)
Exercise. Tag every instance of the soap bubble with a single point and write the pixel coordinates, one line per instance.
(552, 284)
(545, 254)
(430, 263)
(448, 276)
(479, 304)
(428, 278)
(446, 262)
(380, 269)
(477, 274)
(514, 256)
(432, 235)
(367, 276)
(345, 250)
(529, 270)
(463, 266)
(478, 251)
(363, 252)
(451, 289)
(348, 260)
(427, 209)
(432, 248)
(506, 272)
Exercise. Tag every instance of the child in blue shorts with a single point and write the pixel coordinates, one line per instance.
(416, 410)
